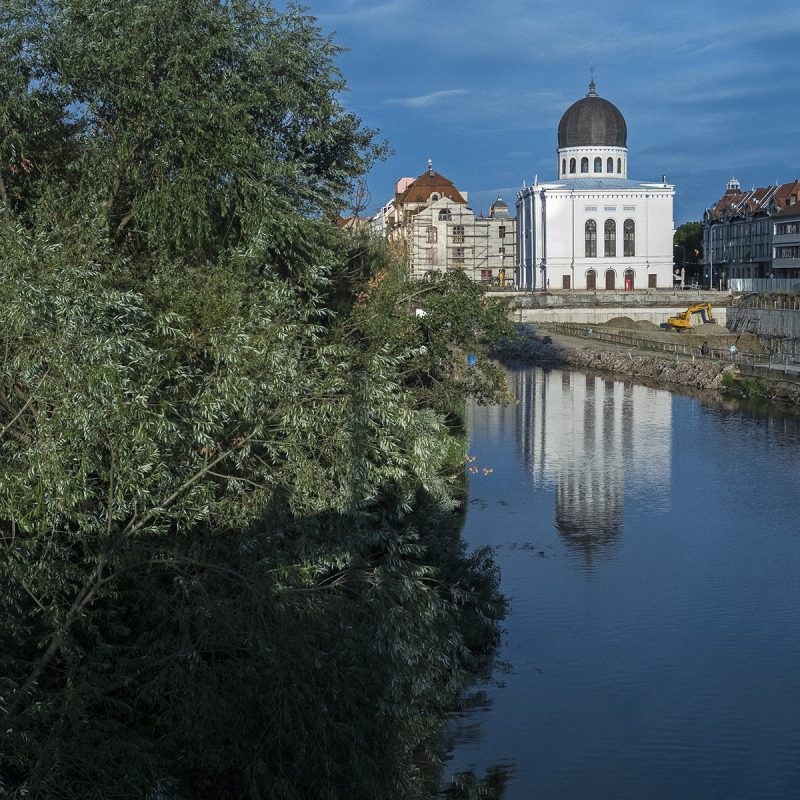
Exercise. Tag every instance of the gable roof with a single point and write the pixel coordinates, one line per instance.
(768, 200)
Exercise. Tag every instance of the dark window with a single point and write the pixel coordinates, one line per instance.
(598, 164)
(611, 238)
(572, 165)
(501, 231)
(619, 165)
(629, 238)
(611, 279)
(458, 233)
(563, 166)
(433, 235)
(610, 165)
(591, 280)
(590, 250)
(584, 164)
(444, 215)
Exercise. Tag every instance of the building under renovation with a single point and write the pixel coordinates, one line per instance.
(431, 216)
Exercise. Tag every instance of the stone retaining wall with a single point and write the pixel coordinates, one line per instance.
(662, 368)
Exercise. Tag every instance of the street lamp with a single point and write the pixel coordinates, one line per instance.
(711, 259)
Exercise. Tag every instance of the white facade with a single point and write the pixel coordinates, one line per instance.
(594, 229)
(630, 246)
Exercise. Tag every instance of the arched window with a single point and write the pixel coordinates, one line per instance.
(598, 164)
(591, 280)
(433, 235)
(590, 238)
(611, 238)
(434, 197)
(619, 166)
(584, 164)
(611, 279)
(610, 165)
(563, 166)
(572, 165)
(629, 238)
(445, 215)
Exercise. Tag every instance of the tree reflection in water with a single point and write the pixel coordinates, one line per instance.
(468, 786)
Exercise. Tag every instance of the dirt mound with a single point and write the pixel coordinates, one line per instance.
(646, 325)
(621, 323)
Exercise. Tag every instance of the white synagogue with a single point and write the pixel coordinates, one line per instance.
(593, 228)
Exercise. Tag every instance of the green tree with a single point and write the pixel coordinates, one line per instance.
(688, 242)
(228, 449)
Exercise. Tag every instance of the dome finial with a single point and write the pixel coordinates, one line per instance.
(430, 166)
(592, 91)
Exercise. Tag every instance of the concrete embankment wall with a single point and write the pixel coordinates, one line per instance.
(597, 315)
(593, 308)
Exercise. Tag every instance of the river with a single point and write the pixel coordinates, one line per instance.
(649, 543)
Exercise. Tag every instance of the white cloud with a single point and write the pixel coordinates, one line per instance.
(426, 100)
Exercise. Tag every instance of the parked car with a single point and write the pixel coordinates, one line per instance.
(694, 286)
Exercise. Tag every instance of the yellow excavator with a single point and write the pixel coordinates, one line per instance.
(686, 319)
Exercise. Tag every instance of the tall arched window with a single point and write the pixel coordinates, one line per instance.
(610, 165)
(629, 238)
(611, 238)
(590, 238)
(572, 165)
(598, 164)
(445, 215)
(591, 280)
(563, 166)
(433, 235)
(611, 279)
(584, 164)
(619, 166)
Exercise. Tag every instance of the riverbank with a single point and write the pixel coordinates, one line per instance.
(662, 368)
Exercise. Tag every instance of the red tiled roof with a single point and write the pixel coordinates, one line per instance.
(425, 185)
(735, 203)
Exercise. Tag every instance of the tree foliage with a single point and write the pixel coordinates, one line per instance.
(689, 239)
(231, 563)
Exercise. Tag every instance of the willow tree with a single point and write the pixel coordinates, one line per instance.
(226, 509)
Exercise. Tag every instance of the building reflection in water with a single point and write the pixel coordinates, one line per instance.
(593, 439)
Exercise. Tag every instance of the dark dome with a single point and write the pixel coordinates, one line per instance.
(592, 121)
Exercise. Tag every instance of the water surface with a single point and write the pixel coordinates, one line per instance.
(650, 546)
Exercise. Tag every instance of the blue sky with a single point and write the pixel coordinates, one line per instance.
(709, 89)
